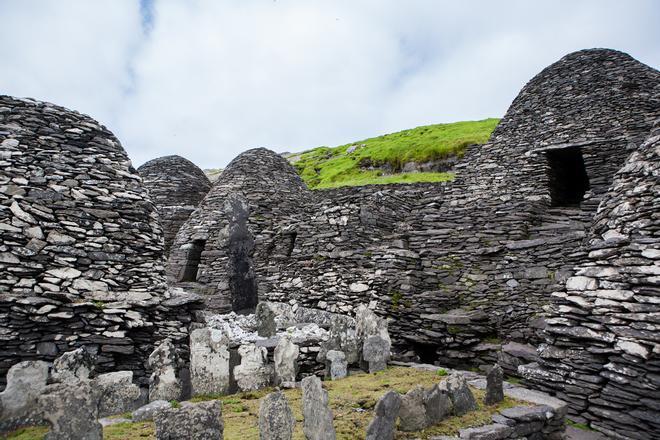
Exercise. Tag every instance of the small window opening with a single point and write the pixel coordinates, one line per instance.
(567, 176)
(192, 262)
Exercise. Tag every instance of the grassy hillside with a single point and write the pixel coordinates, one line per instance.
(326, 167)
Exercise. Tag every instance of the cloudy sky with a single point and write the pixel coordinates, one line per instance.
(207, 79)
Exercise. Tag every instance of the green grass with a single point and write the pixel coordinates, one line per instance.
(326, 167)
(352, 401)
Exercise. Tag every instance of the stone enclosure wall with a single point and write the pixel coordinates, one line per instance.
(465, 271)
(81, 250)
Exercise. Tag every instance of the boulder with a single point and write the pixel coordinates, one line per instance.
(265, 316)
(459, 393)
(317, 416)
(209, 362)
(148, 411)
(73, 366)
(342, 337)
(367, 323)
(438, 405)
(383, 425)
(253, 373)
(276, 421)
(18, 402)
(286, 362)
(336, 366)
(376, 352)
(117, 393)
(412, 414)
(494, 386)
(163, 382)
(71, 409)
(199, 421)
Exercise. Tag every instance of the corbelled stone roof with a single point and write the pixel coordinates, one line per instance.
(74, 215)
(176, 186)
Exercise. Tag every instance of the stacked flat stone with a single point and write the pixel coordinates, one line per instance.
(81, 253)
(236, 223)
(601, 351)
(176, 186)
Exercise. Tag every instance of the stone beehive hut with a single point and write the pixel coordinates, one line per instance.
(601, 353)
(81, 253)
(214, 252)
(176, 186)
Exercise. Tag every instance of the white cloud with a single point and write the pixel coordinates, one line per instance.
(212, 78)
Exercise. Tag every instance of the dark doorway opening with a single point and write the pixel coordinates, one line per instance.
(426, 353)
(192, 261)
(567, 176)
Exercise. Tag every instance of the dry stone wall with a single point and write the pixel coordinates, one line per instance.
(81, 250)
(603, 340)
(176, 186)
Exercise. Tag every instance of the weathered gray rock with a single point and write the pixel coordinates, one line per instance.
(25, 383)
(199, 421)
(72, 366)
(412, 414)
(209, 362)
(376, 351)
(117, 393)
(342, 337)
(460, 394)
(495, 431)
(148, 411)
(285, 358)
(494, 386)
(383, 425)
(438, 405)
(71, 409)
(336, 366)
(317, 414)
(276, 421)
(254, 372)
(367, 323)
(265, 316)
(164, 383)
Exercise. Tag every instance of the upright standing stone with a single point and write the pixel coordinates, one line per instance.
(254, 372)
(163, 383)
(117, 393)
(209, 362)
(72, 411)
(438, 405)
(286, 362)
(265, 316)
(383, 425)
(376, 351)
(459, 392)
(200, 421)
(72, 366)
(276, 421)
(317, 415)
(494, 386)
(336, 366)
(412, 414)
(18, 402)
